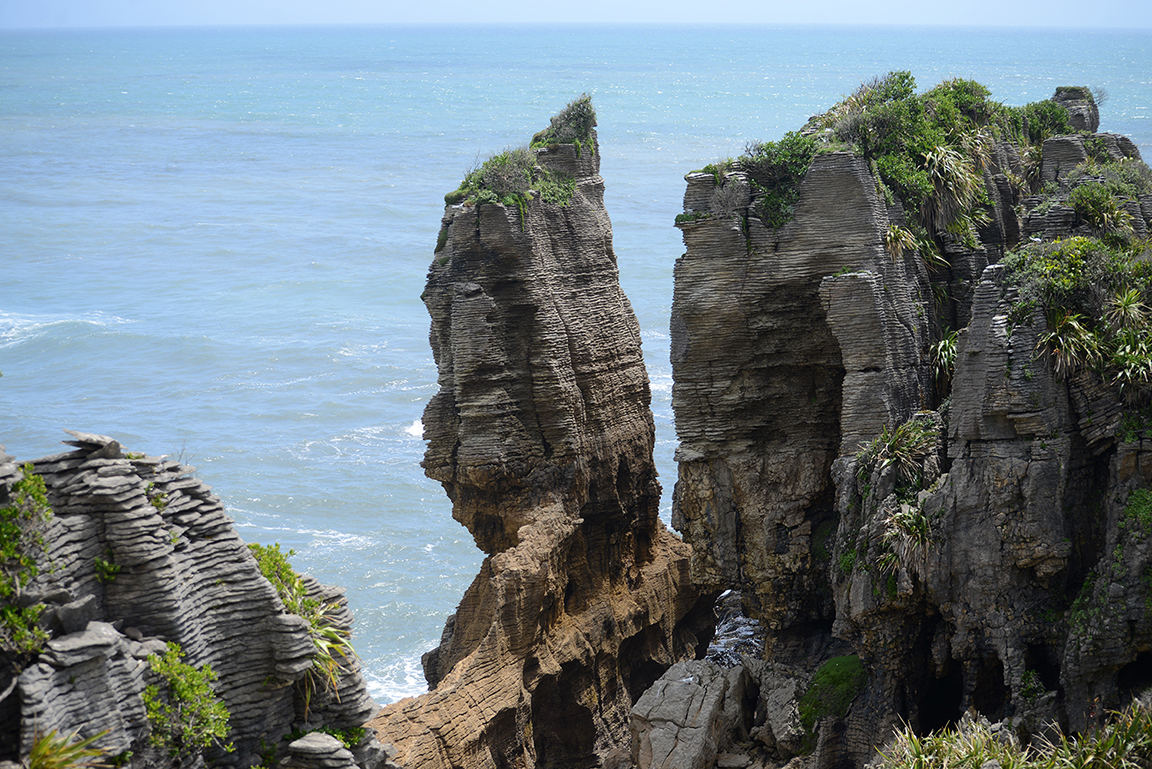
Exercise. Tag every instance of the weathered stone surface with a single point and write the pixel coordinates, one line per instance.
(1082, 110)
(791, 350)
(127, 577)
(542, 436)
(777, 719)
(788, 348)
(688, 716)
(317, 750)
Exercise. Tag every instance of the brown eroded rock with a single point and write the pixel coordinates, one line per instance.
(542, 436)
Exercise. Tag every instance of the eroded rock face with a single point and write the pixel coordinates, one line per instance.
(1024, 596)
(789, 348)
(142, 554)
(542, 436)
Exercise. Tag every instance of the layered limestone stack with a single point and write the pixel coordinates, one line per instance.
(789, 348)
(142, 554)
(1027, 597)
(542, 436)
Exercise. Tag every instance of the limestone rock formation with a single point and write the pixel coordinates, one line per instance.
(766, 396)
(1009, 575)
(138, 554)
(542, 436)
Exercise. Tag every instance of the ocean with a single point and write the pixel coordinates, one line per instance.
(213, 241)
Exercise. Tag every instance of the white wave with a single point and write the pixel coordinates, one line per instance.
(15, 327)
(400, 679)
(416, 429)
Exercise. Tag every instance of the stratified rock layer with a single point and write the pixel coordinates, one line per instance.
(767, 396)
(542, 436)
(1025, 595)
(141, 554)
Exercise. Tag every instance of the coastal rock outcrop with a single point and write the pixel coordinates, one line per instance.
(767, 396)
(542, 436)
(971, 536)
(139, 554)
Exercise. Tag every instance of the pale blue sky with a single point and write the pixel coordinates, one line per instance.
(1031, 13)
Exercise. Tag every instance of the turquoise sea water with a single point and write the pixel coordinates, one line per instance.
(213, 241)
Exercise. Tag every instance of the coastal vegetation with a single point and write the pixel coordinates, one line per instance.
(774, 171)
(22, 523)
(1124, 742)
(185, 714)
(926, 150)
(571, 125)
(1095, 295)
(53, 750)
(513, 177)
(331, 642)
(929, 150)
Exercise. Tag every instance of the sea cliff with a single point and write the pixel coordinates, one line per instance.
(913, 423)
(913, 389)
(542, 434)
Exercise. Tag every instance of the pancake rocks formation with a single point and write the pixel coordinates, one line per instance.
(542, 436)
(139, 554)
(1002, 564)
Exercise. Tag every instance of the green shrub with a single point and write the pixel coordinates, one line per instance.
(329, 641)
(506, 178)
(694, 216)
(1136, 424)
(106, 569)
(775, 170)
(832, 690)
(184, 712)
(1032, 123)
(22, 522)
(571, 125)
(1095, 295)
(1138, 510)
(1100, 208)
(930, 150)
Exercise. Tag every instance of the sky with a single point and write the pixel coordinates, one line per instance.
(19, 14)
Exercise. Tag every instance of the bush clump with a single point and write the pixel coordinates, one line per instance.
(329, 640)
(1095, 296)
(22, 522)
(511, 177)
(186, 715)
(775, 170)
(929, 150)
(1124, 742)
(571, 125)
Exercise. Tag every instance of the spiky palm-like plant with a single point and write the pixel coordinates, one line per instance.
(1071, 344)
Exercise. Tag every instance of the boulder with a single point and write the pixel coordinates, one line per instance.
(688, 716)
